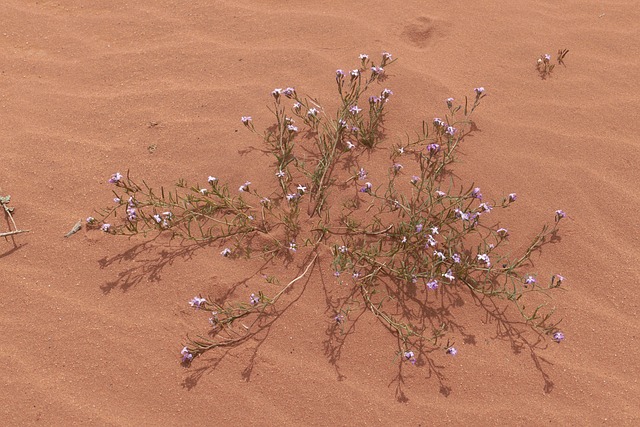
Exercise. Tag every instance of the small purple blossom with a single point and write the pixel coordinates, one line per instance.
(115, 178)
(432, 284)
(197, 302)
(246, 120)
(440, 193)
(296, 107)
(339, 76)
(90, 220)
(409, 356)
(293, 247)
(254, 299)
(355, 74)
(366, 188)
(336, 273)
(419, 228)
(364, 56)
(225, 252)
(339, 318)
(313, 112)
(106, 228)
(485, 259)
(450, 130)
(301, 189)
(433, 148)
(186, 355)
(529, 280)
(397, 167)
(502, 232)
(386, 56)
(449, 102)
(456, 258)
(244, 187)
(280, 174)
(292, 196)
(438, 122)
(431, 241)
(439, 255)
(449, 275)
(434, 230)
(204, 191)
(343, 249)
(362, 174)
(415, 179)
(350, 145)
(451, 350)
(476, 194)
(547, 57)
(386, 93)
(354, 109)
(485, 207)
(276, 93)
(289, 92)
(558, 336)
(479, 90)
(560, 214)
(512, 197)
(292, 128)
(377, 71)
(212, 180)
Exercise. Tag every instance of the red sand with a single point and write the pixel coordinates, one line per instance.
(91, 326)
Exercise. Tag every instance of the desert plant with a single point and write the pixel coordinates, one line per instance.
(394, 243)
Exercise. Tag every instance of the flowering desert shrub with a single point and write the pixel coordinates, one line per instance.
(394, 244)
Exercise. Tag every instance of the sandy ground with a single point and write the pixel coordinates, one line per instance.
(91, 326)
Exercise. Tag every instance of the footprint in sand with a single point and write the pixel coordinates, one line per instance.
(420, 32)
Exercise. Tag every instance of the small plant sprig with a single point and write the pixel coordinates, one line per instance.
(399, 245)
(544, 65)
(8, 211)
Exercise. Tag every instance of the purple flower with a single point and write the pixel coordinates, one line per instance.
(117, 200)
(342, 124)
(350, 145)
(364, 56)
(343, 249)
(186, 355)
(485, 259)
(355, 275)
(212, 179)
(485, 207)
(132, 214)
(377, 71)
(204, 191)
(419, 228)
(512, 197)
(432, 284)
(289, 92)
(431, 241)
(438, 122)
(245, 186)
(434, 230)
(397, 167)
(355, 74)
(559, 278)
(449, 102)
(386, 93)
(313, 112)
(355, 109)
(296, 107)
(362, 174)
(366, 188)
(225, 252)
(214, 318)
(433, 148)
(408, 355)
(558, 336)
(476, 194)
(292, 128)
(451, 350)
(339, 318)
(301, 189)
(90, 220)
(106, 228)
(336, 273)
(276, 93)
(254, 299)
(439, 255)
(374, 100)
(415, 179)
(292, 196)
(115, 178)
(560, 214)
(440, 193)
(451, 130)
(479, 91)
(456, 258)
(502, 232)
(339, 76)
(197, 302)
(293, 247)
(547, 57)
(449, 275)
(386, 56)
(529, 280)
(280, 174)
(245, 120)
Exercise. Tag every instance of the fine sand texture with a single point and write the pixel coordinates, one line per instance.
(91, 326)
